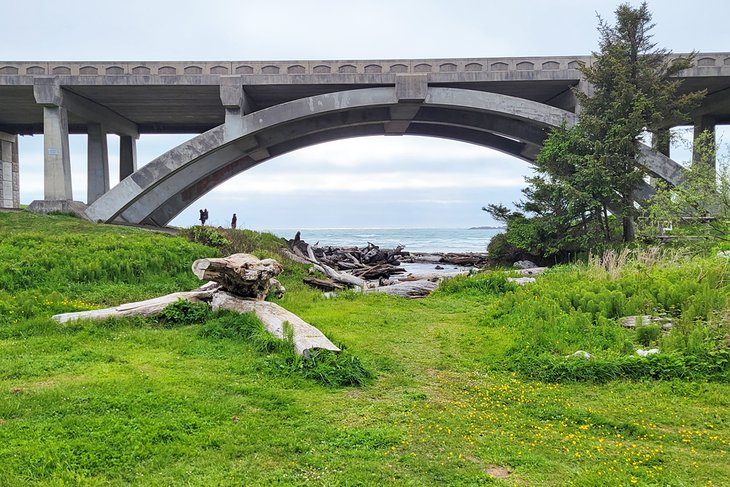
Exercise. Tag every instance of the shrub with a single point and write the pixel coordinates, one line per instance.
(648, 334)
(501, 251)
(578, 308)
(494, 283)
(209, 236)
(182, 313)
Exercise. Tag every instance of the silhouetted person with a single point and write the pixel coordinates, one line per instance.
(234, 220)
(202, 217)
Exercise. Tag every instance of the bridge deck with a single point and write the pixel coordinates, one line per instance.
(184, 97)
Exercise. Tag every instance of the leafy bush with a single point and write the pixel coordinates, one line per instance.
(487, 283)
(182, 313)
(501, 251)
(249, 241)
(206, 235)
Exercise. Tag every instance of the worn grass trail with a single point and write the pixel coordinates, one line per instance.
(132, 402)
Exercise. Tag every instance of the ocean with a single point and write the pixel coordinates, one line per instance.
(414, 239)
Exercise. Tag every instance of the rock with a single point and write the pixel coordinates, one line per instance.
(524, 264)
(438, 267)
(633, 321)
(724, 253)
(644, 353)
(533, 271)
(521, 280)
(581, 354)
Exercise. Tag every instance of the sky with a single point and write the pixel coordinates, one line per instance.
(375, 182)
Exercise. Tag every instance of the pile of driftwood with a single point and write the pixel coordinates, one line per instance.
(367, 263)
(369, 269)
(239, 283)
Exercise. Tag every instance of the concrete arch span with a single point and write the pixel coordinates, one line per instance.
(160, 190)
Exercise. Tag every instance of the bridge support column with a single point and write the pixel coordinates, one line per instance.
(9, 175)
(702, 124)
(97, 163)
(56, 155)
(56, 158)
(127, 156)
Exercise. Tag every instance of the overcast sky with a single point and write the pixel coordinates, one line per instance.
(357, 183)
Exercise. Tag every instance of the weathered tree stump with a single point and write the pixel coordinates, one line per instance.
(241, 274)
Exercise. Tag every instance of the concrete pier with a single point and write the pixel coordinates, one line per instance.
(9, 175)
(127, 156)
(97, 163)
(56, 156)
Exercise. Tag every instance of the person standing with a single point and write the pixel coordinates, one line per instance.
(202, 217)
(234, 220)
(205, 215)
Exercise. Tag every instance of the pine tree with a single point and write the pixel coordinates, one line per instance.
(633, 92)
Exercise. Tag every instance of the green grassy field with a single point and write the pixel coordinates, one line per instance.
(457, 396)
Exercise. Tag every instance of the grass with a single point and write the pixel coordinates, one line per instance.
(137, 402)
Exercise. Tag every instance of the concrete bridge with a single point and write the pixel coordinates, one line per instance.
(248, 112)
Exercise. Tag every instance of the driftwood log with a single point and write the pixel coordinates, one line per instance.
(149, 307)
(326, 285)
(275, 319)
(408, 289)
(241, 272)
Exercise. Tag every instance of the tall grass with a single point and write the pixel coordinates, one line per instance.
(580, 307)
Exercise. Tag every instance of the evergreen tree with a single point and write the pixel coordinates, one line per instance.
(633, 92)
(584, 171)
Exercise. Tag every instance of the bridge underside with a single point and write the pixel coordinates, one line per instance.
(160, 190)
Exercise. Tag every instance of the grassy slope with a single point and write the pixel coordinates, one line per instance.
(131, 402)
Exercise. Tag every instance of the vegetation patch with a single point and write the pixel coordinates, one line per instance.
(579, 308)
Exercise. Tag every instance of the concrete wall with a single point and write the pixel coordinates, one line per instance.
(9, 180)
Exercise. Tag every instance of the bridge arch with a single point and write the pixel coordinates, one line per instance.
(160, 190)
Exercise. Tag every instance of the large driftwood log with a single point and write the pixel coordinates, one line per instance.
(242, 274)
(408, 289)
(149, 307)
(323, 284)
(305, 336)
